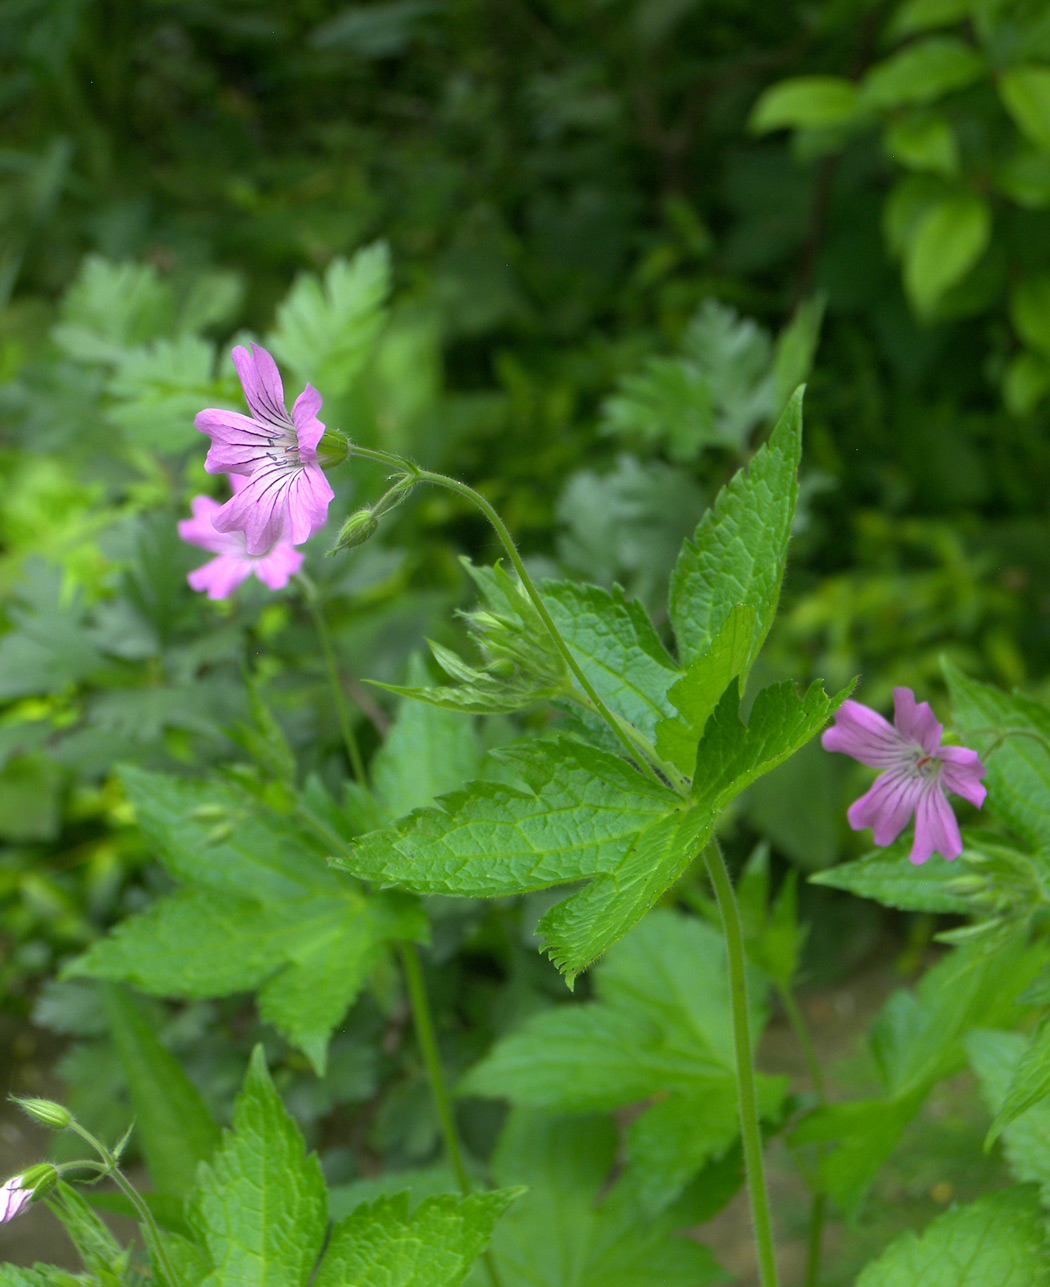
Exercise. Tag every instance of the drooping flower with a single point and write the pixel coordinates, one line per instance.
(13, 1199)
(287, 495)
(917, 771)
(222, 575)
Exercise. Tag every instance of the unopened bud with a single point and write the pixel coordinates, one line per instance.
(46, 1112)
(357, 529)
(333, 449)
(40, 1179)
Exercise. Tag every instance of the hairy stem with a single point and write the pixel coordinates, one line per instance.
(750, 1130)
(818, 1211)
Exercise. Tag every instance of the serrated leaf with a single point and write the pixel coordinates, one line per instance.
(615, 643)
(560, 1233)
(111, 308)
(1018, 773)
(326, 333)
(576, 812)
(701, 688)
(99, 1250)
(261, 910)
(173, 1124)
(922, 72)
(995, 1057)
(382, 1245)
(1030, 1083)
(158, 389)
(1025, 92)
(997, 1241)
(260, 1208)
(738, 551)
(805, 102)
(887, 876)
(732, 755)
(946, 241)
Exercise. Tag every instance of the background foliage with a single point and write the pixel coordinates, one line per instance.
(577, 252)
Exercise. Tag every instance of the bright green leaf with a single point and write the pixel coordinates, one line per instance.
(887, 876)
(922, 72)
(1030, 311)
(805, 102)
(1025, 92)
(923, 143)
(1030, 1084)
(995, 1057)
(946, 241)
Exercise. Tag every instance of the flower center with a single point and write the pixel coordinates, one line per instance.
(926, 766)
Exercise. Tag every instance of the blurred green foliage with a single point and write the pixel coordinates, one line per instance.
(578, 252)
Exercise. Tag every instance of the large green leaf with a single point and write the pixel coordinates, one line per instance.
(738, 551)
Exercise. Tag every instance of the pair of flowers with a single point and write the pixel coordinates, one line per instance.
(280, 493)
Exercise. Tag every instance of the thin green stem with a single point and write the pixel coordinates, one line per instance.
(424, 1026)
(501, 530)
(818, 1211)
(1004, 733)
(750, 1130)
(353, 750)
(145, 1215)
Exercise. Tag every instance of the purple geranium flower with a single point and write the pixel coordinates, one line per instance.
(917, 772)
(234, 564)
(287, 495)
(13, 1199)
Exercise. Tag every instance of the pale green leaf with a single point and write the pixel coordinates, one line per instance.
(260, 1204)
(887, 876)
(922, 72)
(923, 15)
(1025, 92)
(995, 1057)
(946, 241)
(326, 332)
(997, 1241)
(382, 1245)
(737, 553)
(805, 102)
(1030, 1084)
(157, 391)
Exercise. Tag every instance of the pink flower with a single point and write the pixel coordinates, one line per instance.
(13, 1198)
(234, 564)
(917, 772)
(287, 495)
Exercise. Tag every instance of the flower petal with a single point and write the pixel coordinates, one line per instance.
(259, 510)
(277, 568)
(239, 444)
(916, 721)
(863, 733)
(887, 807)
(962, 772)
(263, 390)
(308, 429)
(309, 495)
(200, 529)
(221, 576)
(935, 827)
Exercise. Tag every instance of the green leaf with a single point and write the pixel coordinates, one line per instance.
(1030, 311)
(1025, 92)
(381, 1245)
(660, 1026)
(805, 102)
(99, 1250)
(1030, 1084)
(1026, 383)
(1018, 774)
(921, 15)
(260, 910)
(172, 1122)
(887, 876)
(560, 1233)
(736, 358)
(157, 391)
(703, 685)
(325, 334)
(945, 242)
(668, 402)
(923, 143)
(575, 811)
(738, 551)
(259, 1209)
(732, 755)
(111, 308)
(997, 1241)
(618, 649)
(995, 1057)
(796, 348)
(922, 72)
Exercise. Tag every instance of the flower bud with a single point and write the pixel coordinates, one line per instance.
(357, 529)
(39, 1180)
(46, 1112)
(333, 449)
